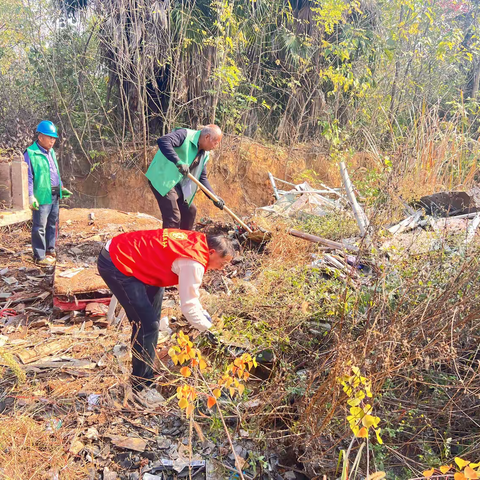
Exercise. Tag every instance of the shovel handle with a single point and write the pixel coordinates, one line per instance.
(211, 195)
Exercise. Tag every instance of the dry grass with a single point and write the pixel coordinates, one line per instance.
(29, 451)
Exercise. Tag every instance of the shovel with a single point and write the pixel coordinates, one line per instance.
(256, 236)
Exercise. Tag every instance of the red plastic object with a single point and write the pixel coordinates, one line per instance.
(80, 304)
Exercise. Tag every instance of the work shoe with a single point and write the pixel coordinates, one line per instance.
(150, 398)
(51, 253)
(45, 262)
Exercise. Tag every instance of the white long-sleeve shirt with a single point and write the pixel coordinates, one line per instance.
(190, 276)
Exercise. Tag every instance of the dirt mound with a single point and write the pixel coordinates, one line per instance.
(238, 172)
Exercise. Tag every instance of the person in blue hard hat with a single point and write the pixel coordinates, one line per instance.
(45, 189)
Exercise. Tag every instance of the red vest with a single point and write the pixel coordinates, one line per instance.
(148, 255)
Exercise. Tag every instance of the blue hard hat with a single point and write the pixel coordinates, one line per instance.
(47, 128)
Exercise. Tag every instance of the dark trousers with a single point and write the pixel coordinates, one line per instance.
(143, 305)
(44, 228)
(175, 211)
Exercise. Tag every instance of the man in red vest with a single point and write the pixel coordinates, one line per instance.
(137, 266)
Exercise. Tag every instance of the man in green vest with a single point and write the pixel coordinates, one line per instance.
(182, 152)
(45, 189)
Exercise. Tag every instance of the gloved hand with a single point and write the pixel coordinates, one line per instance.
(66, 193)
(209, 318)
(183, 169)
(33, 203)
(211, 338)
(220, 203)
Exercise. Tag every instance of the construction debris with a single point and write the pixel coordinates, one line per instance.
(447, 204)
(302, 201)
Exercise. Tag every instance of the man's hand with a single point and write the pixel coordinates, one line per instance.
(33, 203)
(66, 193)
(183, 169)
(219, 203)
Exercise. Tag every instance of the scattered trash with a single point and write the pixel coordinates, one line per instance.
(10, 280)
(76, 447)
(92, 433)
(93, 400)
(120, 350)
(148, 476)
(165, 465)
(130, 443)
(109, 475)
(165, 325)
(7, 312)
(71, 272)
(94, 309)
(302, 201)
(53, 425)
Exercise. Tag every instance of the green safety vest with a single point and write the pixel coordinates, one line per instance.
(164, 175)
(42, 186)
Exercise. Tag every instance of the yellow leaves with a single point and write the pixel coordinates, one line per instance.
(468, 470)
(461, 463)
(358, 389)
(362, 433)
(357, 400)
(186, 391)
(379, 438)
(370, 421)
(235, 373)
(377, 476)
(470, 473)
(357, 413)
(181, 358)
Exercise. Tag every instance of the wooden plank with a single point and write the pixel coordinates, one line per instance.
(43, 350)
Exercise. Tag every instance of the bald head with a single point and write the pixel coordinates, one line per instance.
(210, 138)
